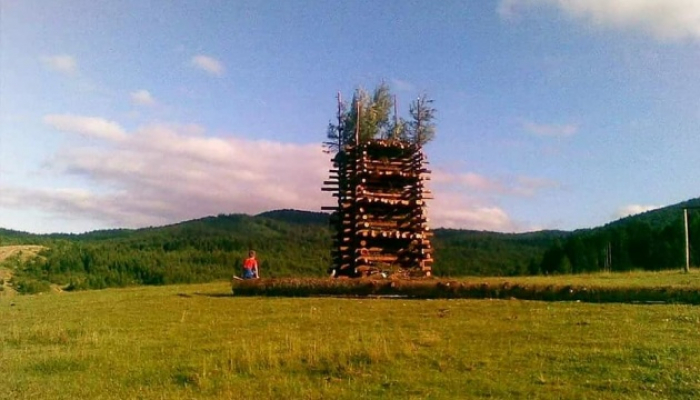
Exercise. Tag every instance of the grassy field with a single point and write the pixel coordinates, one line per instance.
(197, 341)
(668, 278)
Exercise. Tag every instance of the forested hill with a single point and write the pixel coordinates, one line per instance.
(653, 240)
(8, 237)
(288, 242)
(297, 243)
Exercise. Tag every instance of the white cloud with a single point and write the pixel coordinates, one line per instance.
(160, 174)
(522, 186)
(86, 126)
(62, 63)
(208, 64)
(467, 199)
(633, 209)
(550, 130)
(142, 98)
(663, 19)
(452, 210)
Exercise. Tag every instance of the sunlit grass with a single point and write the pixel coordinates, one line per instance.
(667, 278)
(180, 342)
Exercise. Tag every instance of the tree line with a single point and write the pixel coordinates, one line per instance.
(297, 244)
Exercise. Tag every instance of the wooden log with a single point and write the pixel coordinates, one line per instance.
(382, 258)
(387, 163)
(392, 202)
(382, 224)
(381, 195)
(341, 208)
(365, 250)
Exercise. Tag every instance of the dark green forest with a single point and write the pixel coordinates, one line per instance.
(297, 243)
(651, 241)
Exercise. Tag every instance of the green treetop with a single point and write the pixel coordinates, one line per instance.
(368, 116)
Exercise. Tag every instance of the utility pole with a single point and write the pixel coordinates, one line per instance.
(340, 121)
(357, 123)
(687, 241)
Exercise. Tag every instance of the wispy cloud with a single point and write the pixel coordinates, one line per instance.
(520, 186)
(470, 180)
(528, 186)
(633, 209)
(62, 63)
(164, 173)
(455, 210)
(662, 19)
(550, 130)
(402, 85)
(86, 126)
(469, 200)
(142, 98)
(167, 173)
(209, 64)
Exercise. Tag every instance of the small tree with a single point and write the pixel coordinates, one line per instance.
(421, 129)
(368, 116)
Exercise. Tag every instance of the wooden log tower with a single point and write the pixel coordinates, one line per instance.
(380, 225)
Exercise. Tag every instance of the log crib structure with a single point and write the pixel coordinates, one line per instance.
(379, 225)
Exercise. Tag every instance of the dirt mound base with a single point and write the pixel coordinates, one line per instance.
(454, 289)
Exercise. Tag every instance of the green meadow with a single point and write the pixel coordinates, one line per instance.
(199, 342)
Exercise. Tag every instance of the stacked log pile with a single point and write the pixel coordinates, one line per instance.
(380, 223)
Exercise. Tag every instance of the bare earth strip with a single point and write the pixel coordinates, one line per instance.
(8, 253)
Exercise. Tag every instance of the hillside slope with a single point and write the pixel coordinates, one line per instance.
(289, 243)
(297, 243)
(654, 240)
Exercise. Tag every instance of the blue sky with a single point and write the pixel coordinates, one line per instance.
(552, 114)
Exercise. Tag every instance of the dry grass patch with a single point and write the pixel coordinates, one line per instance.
(19, 252)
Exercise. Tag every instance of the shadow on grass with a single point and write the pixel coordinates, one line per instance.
(202, 294)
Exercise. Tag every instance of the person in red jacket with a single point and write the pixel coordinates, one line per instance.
(250, 266)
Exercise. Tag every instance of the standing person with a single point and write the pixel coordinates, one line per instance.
(250, 266)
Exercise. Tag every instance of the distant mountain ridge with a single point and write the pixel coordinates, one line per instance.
(297, 243)
(297, 216)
